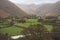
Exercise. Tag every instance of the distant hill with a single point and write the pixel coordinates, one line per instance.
(48, 9)
(7, 8)
(29, 9)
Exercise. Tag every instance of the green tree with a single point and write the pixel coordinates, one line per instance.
(56, 32)
(36, 32)
(4, 37)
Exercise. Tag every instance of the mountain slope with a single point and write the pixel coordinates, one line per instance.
(3, 13)
(29, 9)
(10, 9)
(49, 9)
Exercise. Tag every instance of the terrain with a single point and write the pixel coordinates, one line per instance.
(8, 8)
(50, 9)
(33, 27)
(29, 9)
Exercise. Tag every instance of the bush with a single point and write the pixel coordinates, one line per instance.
(4, 37)
(56, 32)
(36, 32)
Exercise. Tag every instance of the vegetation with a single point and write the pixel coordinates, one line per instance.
(16, 26)
(36, 32)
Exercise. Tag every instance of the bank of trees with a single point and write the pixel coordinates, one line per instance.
(56, 31)
(36, 32)
(4, 37)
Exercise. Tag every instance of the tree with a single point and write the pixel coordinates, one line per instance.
(56, 32)
(11, 23)
(4, 37)
(22, 20)
(40, 19)
(36, 32)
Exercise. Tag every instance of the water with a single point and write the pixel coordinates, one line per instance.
(18, 36)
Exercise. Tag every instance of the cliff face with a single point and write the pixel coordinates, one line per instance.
(7, 8)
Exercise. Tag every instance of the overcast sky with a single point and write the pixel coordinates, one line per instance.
(33, 1)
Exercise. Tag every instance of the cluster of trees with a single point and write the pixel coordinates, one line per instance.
(56, 31)
(4, 37)
(36, 32)
(23, 20)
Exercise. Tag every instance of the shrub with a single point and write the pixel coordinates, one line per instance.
(36, 32)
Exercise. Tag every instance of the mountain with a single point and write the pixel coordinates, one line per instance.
(3, 13)
(49, 9)
(29, 9)
(8, 8)
(44, 10)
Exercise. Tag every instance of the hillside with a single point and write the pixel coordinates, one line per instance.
(3, 13)
(49, 9)
(29, 9)
(7, 8)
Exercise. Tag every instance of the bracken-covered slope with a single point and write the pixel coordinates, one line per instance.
(7, 8)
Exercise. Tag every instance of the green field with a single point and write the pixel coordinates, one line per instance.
(13, 30)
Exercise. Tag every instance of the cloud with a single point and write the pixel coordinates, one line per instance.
(33, 1)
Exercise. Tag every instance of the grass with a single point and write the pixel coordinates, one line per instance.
(49, 27)
(14, 30)
(28, 23)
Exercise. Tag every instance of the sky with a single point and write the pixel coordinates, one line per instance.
(33, 1)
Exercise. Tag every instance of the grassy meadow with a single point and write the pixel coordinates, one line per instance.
(14, 30)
